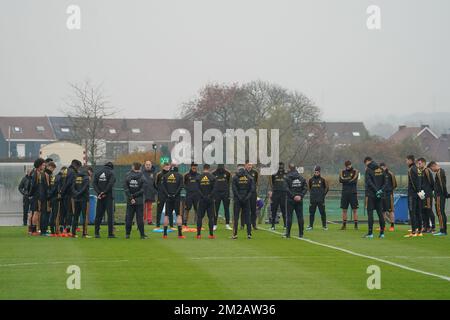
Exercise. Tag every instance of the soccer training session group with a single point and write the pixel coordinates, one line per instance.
(55, 203)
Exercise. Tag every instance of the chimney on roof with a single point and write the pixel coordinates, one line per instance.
(423, 126)
(124, 124)
(401, 127)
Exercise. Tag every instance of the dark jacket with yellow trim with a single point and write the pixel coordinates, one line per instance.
(391, 181)
(441, 184)
(318, 189)
(349, 180)
(428, 182)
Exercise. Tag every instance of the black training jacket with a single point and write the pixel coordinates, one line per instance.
(441, 184)
(223, 180)
(172, 183)
(391, 181)
(104, 180)
(374, 179)
(190, 183)
(242, 185)
(80, 186)
(134, 187)
(318, 189)
(427, 182)
(349, 180)
(278, 181)
(414, 180)
(206, 183)
(66, 188)
(295, 185)
(24, 185)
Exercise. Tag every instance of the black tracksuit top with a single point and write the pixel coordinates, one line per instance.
(223, 180)
(374, 179)
(80, 187)
(172, 183)
(206, 185)
(318, 189)
(349, 180)
(134, 187)
(295, 185)
(278, 181)
(104, 181)
(242, 185)
(190, 183)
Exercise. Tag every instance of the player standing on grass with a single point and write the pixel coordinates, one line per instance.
(161, 196)
(46, 187)
(171, 185)
(54, 200)
(103, 184)
(388, 200)
(35, 206)
(66, 193)
(80, 195)
(318, 189)
(24, 187)
(296, 189)
(415, 195)
(278, 194)
(255, 176)
(206, 189)
(222, 193)
(134, 191)
(242, 185)
(428, 218)
(349, 197)
(375, 183)
(440, 194)
(192, 193)
(150, 192)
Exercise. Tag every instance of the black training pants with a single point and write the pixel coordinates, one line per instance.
(377, 205)
(225, 199)
(205, 206)
(132, 210)
(415, 212)
(159, 208)
(312, 212)
(244, 206)
(298, 208)
(80, 209)
(440, 211)
(105, 204)
(26, 210)
(278, 200)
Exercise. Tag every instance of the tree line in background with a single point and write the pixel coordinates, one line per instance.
(257, 105)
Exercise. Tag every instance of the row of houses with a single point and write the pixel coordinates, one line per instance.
(437, 147)
(21, 138)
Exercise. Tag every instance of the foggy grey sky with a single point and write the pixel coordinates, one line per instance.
(153, 55)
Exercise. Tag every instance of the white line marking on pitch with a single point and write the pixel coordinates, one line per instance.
(248, 257)
(366, 257)
(57, 262)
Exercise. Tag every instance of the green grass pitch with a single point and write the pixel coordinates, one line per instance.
(266, 267)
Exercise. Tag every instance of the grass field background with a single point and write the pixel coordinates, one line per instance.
(265, 267)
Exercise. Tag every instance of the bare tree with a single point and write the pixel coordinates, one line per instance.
(86, 108)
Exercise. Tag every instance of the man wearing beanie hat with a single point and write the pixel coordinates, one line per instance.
(103, 184)
(318, 189)
(349, 197)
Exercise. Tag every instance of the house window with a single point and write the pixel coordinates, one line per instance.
(20, 151)
(356, 134)
(136, 130)
(112, 131)
(17, 129)
(40, 128)
(65, 129)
